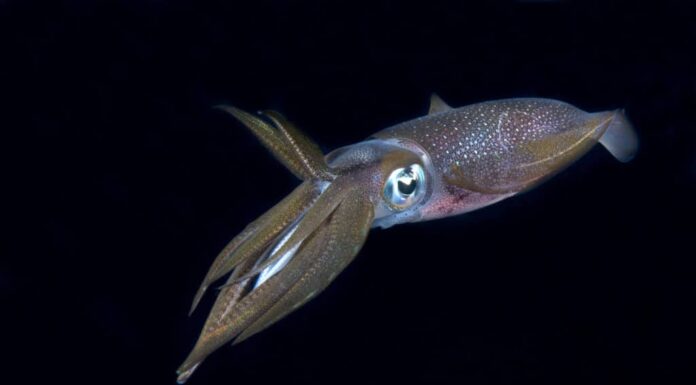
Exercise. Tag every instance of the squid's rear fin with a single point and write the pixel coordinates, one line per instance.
(620, 138)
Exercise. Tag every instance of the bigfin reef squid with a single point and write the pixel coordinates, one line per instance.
(448, 162)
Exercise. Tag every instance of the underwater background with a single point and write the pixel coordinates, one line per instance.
(122, 183)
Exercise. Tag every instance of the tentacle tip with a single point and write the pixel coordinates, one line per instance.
(197, 299)
(184, 375)
(234, 111)
(226, 108)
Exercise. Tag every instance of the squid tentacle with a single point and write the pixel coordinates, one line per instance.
(312, 230)
(268, 136)
(292, 148)
(302, 146)
(303, 158)
(309, 222)
(300, 217)
(259, 234)
(224, 303)
(332, 249)
(328, 249)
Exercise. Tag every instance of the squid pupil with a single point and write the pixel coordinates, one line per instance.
(407, 188)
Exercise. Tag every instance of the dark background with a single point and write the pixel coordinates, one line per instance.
(121, 184)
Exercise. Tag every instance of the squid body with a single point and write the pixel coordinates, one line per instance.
(448, 162)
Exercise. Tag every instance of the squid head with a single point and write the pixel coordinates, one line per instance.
(448, 162)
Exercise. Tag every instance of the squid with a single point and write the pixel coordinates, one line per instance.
(448, 162)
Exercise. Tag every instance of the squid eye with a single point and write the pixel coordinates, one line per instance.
(404, 187)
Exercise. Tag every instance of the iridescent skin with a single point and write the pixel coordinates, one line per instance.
(471, 157)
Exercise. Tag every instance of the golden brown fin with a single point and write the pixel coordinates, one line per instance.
(555, 151)
(531, 162)
(459, 177)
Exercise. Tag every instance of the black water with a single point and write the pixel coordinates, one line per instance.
(121, 184)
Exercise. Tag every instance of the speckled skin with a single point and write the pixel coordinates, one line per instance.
(489, 151)
(470, 157)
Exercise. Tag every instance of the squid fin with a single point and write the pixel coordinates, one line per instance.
(620, 138)
(458, 177)
(437, 105)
